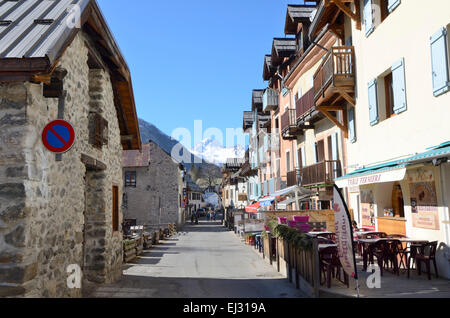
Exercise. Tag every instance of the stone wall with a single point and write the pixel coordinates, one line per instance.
(46, 221)
(155, 200)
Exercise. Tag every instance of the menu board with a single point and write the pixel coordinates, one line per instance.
(424, 205)
(367, 209)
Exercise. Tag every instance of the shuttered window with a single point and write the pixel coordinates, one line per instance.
(399, 86)
(351, 125)
(393, 4)
(439, 61)
(368, 16)
(98, 130)
(373, 103)
(130, 179)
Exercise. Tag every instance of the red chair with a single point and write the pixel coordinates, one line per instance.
(427, 258)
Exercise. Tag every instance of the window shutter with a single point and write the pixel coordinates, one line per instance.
(315, 152)
(373, 103)
(399, 86)
(368, 16)
(439, 60)
(303, 157)
(351, 125)
(334, 146)
(393, 4)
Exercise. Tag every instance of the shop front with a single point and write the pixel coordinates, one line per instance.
(408, 197)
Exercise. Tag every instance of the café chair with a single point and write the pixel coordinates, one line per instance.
(427, 254)
(331, 266)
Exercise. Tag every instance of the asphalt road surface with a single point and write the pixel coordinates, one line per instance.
(203, 261)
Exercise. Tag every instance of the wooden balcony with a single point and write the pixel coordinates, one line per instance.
(323, 173)
(305, 105)
(293, 178)
(334, 81)
(270, 100)
(289, 127)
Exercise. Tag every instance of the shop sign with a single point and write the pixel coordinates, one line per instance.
(390, 176)
(424, 204)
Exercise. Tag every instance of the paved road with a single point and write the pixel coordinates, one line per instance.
(203, 261)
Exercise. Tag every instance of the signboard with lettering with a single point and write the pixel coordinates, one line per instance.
(424, 205)
(389, 176)
(367, 209)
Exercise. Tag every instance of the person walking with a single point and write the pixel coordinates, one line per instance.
(215, 215)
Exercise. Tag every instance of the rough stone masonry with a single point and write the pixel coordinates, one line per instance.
(57, 213)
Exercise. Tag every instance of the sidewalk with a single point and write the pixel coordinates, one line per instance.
(392, 286)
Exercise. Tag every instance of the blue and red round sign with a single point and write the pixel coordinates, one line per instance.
(58, 136)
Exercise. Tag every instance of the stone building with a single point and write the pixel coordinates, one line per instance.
(195, 196)
(60, 211)
(154, 187)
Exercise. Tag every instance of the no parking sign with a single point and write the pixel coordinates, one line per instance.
(58, 136)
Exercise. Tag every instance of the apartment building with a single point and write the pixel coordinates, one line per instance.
(398, 145)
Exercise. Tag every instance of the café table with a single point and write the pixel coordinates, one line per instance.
(366, 248)
(324, 246)
(318, 233)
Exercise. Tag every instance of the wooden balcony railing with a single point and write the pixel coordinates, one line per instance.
(322, 173)
(305, 104)
(337, 70)
(288, 119)
(270, 100)
(293, 177)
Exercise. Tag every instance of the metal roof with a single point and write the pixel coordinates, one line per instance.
(34, 35)
(36, 28)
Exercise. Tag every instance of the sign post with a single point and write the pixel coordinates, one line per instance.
(58, 136)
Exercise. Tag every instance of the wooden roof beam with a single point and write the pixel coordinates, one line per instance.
(347, 11)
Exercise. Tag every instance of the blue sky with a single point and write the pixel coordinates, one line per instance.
(195, 60)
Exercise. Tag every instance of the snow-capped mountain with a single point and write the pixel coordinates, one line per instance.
(212, 151)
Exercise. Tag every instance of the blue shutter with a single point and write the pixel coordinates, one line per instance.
(399, 87)
(373, 103)
(393, 4)
(351, 125)
(368, 16)
(439, 60)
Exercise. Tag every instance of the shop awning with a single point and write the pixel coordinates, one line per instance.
(283, 204)
(440, 151)
(387, 172)
(267, 201)
(253, 208)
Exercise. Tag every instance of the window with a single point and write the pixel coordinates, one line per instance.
(376, 11)
(130, 179)
(115, 207)
(351, 125)
(439, 62)
(288, 160)
(98, 130)
(387, 94)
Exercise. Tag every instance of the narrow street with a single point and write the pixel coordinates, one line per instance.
(204, 261)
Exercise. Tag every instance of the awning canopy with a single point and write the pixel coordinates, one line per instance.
(253, 208)
(440, 151)
(391, 171)
(267, 201)
(388, 172)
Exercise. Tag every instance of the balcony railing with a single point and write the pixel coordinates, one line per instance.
(305, 104)
(323, 173)
(270, 100)
(337, 70)
(293, 178)
(288, 119)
